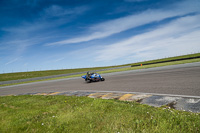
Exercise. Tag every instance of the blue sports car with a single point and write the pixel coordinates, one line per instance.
(92, 77)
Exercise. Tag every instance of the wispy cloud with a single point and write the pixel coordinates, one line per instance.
(56, 60)
(18, 46)
(42, 22)
(182, 34)
(12, 61)
(58, 11)
(111, 27)
(19, 38)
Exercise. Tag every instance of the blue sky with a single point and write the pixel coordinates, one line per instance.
(59, 34)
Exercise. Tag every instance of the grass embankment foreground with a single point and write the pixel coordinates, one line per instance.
(82, 114)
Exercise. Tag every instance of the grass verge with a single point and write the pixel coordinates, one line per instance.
(115, 70)
(30, 113)
(169, 59)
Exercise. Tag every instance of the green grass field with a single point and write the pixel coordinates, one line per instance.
(25, 75)
(30, 113)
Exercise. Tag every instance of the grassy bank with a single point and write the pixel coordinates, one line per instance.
(82, 114)
(169, 59)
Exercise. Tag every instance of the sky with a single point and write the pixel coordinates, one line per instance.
(63, 34)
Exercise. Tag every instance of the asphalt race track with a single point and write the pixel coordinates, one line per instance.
(177, 80)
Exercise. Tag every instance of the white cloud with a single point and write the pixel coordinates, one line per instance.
(42, 23)
(180, 36)
(19, 38)
(111, 27)
(19, 46)
(12, 61)
(56, 60)
(58, 11)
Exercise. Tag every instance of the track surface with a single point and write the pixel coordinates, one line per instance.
(176, 80)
